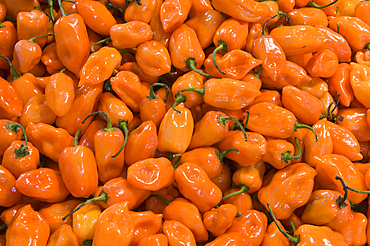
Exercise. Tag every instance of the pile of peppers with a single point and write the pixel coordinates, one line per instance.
(184, 122)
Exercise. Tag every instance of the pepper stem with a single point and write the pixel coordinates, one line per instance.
(50, 4)
(197, 90)
(22, 151)
(14, 72)
(357, 191)
(285, 16)
(286, 157)
(32, 40)
(179, 99)
(294, 240)
(247, 119)
(292, 225)
(222, 155)
(162, 199)
(109, 123)
(62, 10)
(243, 188)
(99, 42)
(111, 5)
(264, 25)
(221, 47)
(367, 46)
(313, 4)
(171, 156)
(1, 25)
(3, 226)
(103, 197)
(87, 242)
(75, 141)
(341, 200)
(153, 96)
(190, 64)
(137, 1)
(297, 125)
(123, 126)
(239, 125)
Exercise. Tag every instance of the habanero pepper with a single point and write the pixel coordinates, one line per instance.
(146, 223)
(155, 23)
(308, 16)
(178, 234)
(239, 198)
(130, 34)
(218, 220)
(140, 12)
(363, 58)
(152, 107)
(174, 13)
(134, 67)
(84, 222)
(8, 37)
(317, 87)
(355, 120)
(8, 192)
(9, 132)
(230, 239)
(153, 240)
(64, 236)
(223, 180)
(273, 236)
(323, 63)
(50, 59)
(279, 153)
(87, 138)
(10, 101)
(251, 176)
(36, 110)
(340, 83)
(359, 78)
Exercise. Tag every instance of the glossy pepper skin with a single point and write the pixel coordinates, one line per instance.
(316, 235)
(8, 133)
(114, 226)
(8, 192)
(64, 236)
(84, 222)
(60, 88)
(151, 174)
(72, 42)
(300, 176)
(130, 34)
(251, 176)
(26, 55)
(340, 83)
(227, 30)
(10, 100)
(332, 165)
(8, 35)
(242, 201)
(45, 184)
(244, 10)
(27, 226)
(274, 237)
(354, 119)
(152, 108)
(99, 66)
(78, 169)
(146, 223)
(323, 63)
(184, 211)
(178, 234)
(358, 77)
(143, 12)
(218, 220)
(115, 108)
(50, 141)
(176, 125)
(194, 184)
(153, 240)
(174, 13)
(355, 231)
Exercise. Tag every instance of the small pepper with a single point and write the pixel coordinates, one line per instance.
(130, 34)
(64, 236)
(178, 234)
(354, 119)
(9, 132)
(8, 192)
(153, 240)
(152, 107)
(36, 110)
(146, 224)
(218, 220)
(324, 63)
(174, 13)
(84, 222)
(251, 176)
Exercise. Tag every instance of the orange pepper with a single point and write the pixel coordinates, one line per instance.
(32, 24)
(195, 185)
(64, 236)
(134, 67)
(8, 214)
(44, 184)
(223, 180)
(27, 226)
(151, 174)
(99, 66)
(300, 60)
(252, 146)
(273, 236)
(250, 176)
(155, 23)
(355, 231)
(245, 10)
(146, 224)
(271, 96)
(324, 63)
(293, 74)
(178, 234)
(187, 213)
(83, 105)
(355, 120)
(230, 238)
(130, 34)
(50, 141)
(3, 11)
(363, 58)
(53, 213)
(143, 12)
(84, 222)
(36, 110)
(10, 100)
(358, 77)
(50, 59)
(20, 156)
(255, 31)
(340, 83)
(114, 226)
(8, 37)
(301, 177)
(8, 134)
(152, 107)
(96, 16)
(332, 165)
(361, 8)
(72, 41)
(308, 16)
(174, 13)
(205, 24)
(87, 138)
(252, 226)
(279, 153)
(8, 192)
(242, 200)
(218, 220)
(153, 240)
(317, 87)
(200, 6)
(157, 205)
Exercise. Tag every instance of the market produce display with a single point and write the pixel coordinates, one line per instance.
(184, 122)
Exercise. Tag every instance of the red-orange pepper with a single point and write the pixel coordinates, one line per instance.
(155, 23)
(36, 110)
(355, 231)
(50, 59)
(273, 236)
(8, 37)
(8, 133)
(178, 234)
(251, 176)
(10, 101)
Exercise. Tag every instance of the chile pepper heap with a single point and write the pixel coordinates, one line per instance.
(184, 122)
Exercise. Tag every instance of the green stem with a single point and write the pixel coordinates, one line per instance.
(161, 198)
(222, 155)
(197, 90)
(238, 214)
(63, 70)
(337, 27)
(285, 16)
(341, 200)
(9, 18)
(51, 5)
(190, 64)
(171, 156)
(3, 226)
(126, 52)
(286, 157)
(247, 120)
(100, 42)
(360, 208)
(221, 47)
(62, 10)
(75, 142)
(297, 125)
(1, 25)
(264, 25)
(243, 188)
(103, 197)
(87, 242)
(294, 240)
(153, 96)
(32, 40)
(258, 74)
(110, 6)
(237, 123)
(367, 46)
(14, 72)
(179, 98)
(109, 123)
(292, 225)
(22, 151)
(137, 1)
(123, 124)
(313, 4)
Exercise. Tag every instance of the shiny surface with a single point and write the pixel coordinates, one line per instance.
(64, 236)
(174, 13)
(26, 55)
(194, 184)
(154, 240)
(7, 136)
(8, 192)
(178, 234)
(360, 77)
(50, 59)
(319, 235)
(355, 120)
(130, 34)
(84, 222)
(324, 63)
(340, 83)
(44, 184)
(142, 13)
(308, 16)
(10, 101)
(8, 37)
(218, 220)
(233, 32)
(146, 223)
(36, 110)
(31, 24)
(27, 87)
